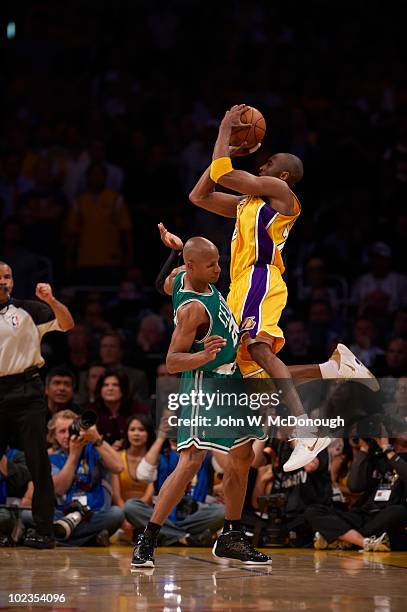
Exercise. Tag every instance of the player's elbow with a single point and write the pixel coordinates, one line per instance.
(171, 365)
(194, 198)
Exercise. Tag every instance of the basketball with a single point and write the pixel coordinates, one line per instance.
(254, 133)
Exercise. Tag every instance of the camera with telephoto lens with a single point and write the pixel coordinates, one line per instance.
(74, 514)
(84, 421)
(274, 532)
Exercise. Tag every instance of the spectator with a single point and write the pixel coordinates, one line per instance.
(151, 345)
(14, 480)
(41, 213)
(364, 346)
(59, 388)
(316, 286)
(96, 154)
(98, 224)
(400, 324)
(12, 185)
(25, 264)
(78, 350)
(192, 522)
(111, 355)
(88, 383)
(381, 289)
(297, 348)
(114, 405)
(302, 487)
(94, 318)
(395, 362)
(139, 437)
(323, 327)
(80, 466)
(379, 472)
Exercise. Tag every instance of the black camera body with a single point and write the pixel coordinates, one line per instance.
(274, 529)
(84, 421)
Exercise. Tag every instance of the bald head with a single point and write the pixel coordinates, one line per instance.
(293, 165)
(285, 166)
(199, 249)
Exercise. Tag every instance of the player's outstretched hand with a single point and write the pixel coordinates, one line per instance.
(170, 240)
(43, 291)
(232, 116)
(212, 346)
(242, 150)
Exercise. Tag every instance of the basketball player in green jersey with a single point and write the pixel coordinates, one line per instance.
(203, 345)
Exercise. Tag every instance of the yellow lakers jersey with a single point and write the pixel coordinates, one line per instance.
(260, 234)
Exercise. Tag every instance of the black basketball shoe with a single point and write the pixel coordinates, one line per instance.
(233, 546)
(143, 553)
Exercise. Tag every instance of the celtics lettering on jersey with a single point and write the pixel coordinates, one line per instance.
(221, 321)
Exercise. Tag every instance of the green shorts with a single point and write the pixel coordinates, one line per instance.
(218, 425)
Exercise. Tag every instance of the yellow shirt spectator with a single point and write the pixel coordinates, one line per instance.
(99, 220)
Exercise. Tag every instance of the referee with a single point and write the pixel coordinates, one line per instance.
(22, 405)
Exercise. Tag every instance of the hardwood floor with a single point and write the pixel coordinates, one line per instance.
(99, 579)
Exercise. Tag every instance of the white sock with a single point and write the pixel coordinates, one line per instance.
(329, 369)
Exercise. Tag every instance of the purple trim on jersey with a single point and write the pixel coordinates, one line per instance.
(254, 298)
(265, 245)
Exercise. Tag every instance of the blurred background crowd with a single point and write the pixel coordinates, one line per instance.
(108, 116)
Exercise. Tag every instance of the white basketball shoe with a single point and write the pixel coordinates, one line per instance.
(350, 367)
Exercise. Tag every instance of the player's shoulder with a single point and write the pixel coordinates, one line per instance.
(190, 312)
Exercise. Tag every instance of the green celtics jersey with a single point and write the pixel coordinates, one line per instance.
(221, 320)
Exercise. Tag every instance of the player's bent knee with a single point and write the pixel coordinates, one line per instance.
(242, 455)
(191, 460)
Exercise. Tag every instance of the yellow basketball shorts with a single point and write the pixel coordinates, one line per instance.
(257, 298)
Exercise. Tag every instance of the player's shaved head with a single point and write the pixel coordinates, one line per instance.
(286, 166)
(199, 249)
(292, 164)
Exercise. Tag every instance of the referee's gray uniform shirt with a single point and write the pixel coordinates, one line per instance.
(22, 326)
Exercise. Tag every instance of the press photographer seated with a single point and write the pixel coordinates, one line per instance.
(14, 480)
(378, 520)
(80, 465)
(282, 497)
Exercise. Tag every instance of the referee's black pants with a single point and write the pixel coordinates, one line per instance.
(23, 410)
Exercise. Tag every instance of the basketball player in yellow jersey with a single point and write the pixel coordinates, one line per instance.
(258, 293)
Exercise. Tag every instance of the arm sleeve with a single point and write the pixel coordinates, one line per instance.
(146, 471)
(172, 262)
(42, 315)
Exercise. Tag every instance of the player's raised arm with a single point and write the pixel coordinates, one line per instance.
(223, 173)
(205, 196)
(165, 280)
(190, 319)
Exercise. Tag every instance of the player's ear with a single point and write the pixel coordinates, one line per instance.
(284, 175)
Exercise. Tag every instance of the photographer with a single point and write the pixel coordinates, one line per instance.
(80, 465)
(283, 497)
(14, 479)
(380, 515)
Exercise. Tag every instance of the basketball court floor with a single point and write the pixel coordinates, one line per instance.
(98, 579)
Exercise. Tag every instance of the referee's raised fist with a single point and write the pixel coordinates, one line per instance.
(43, 291)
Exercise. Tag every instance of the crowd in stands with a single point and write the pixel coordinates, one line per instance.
(97, 147)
